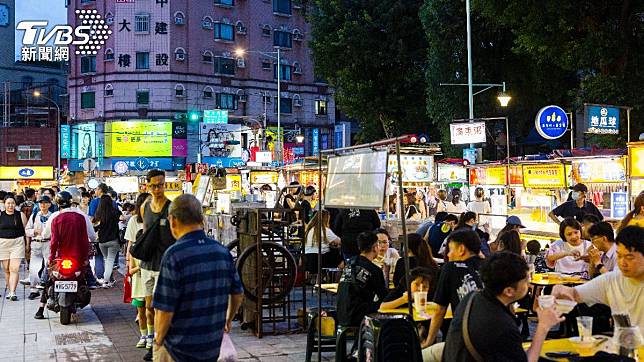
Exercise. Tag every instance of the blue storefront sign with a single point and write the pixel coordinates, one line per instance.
(551, 122)
(65, 141)
(315, 141)
(602, 120)
(469, 154)
(618, 205)
(133, 164)
(223, 161)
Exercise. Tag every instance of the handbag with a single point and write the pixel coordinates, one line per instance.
(144, 248)
(466, 333)
(127, 288)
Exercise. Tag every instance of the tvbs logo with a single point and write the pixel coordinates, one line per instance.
(40, 44)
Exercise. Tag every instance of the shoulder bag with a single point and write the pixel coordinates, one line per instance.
(145, 248)
(466, 333)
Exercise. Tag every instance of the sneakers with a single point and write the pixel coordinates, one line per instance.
(12, 297)
(107, 285)
(39, 315)
(33, 295)
(25, 281)
(149, 340)
(41, 286)
(148, 356)
(142, 342)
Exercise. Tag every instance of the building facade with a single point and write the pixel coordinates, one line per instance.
(166, 58)
(28, 124)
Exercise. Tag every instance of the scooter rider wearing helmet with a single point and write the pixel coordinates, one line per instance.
(68, 239)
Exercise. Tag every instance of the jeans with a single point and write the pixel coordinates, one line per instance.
(109, 250)
(39, 255)
(99, 263)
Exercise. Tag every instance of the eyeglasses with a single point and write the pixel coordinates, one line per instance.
(156, 186)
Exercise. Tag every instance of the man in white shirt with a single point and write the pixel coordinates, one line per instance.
(622, 290)
(39, 245)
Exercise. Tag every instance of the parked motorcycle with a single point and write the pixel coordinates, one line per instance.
(68, 291)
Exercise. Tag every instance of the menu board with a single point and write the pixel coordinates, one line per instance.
(599, 170)
(546, 176)
(417, 170)
(263, 177)
(488, 175)
(450, 173)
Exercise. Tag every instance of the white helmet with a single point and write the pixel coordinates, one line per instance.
(77, 196)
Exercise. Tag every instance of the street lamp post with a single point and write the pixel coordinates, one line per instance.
(241, 52)
(37, 94)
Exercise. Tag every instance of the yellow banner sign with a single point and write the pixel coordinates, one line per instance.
(26, 173)
(599, 170)
(637, 161)
(233, 182)
(544, 176)
(137, 138)
(263, 177)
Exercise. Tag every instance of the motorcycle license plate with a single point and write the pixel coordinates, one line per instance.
(65, 286)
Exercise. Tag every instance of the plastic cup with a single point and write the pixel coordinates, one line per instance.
(546, 301)
(420, 301)
(585, 327)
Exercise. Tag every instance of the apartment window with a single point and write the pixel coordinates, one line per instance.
(179, 91)
(109, 90)
(282, 39)
(179, 18)
(285, 72)
(226, 101)
(320, 108)
(88, 64)
(267, 99)
(30, 153)
(109, 55)
(224, 31)
(206, 56)
(297, 68)
(266, 30)
(225, 2)
(224, 66)
(88, 100)
(206, 23)
(266, 65)
(286, 105)
(142, 23)
(142, 60)
(207, 93)
(180, 55)
(282, 7)
(143, 97)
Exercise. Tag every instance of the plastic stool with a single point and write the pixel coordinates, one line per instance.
(328, 343)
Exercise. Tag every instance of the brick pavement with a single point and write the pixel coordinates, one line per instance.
(106, 331)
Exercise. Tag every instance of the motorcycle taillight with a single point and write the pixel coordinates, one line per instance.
(66, 264)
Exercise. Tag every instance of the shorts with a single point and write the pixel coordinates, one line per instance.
(12, 248)
(138, 302)
(149, 278)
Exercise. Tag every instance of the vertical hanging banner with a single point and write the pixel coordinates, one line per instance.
(65, 141)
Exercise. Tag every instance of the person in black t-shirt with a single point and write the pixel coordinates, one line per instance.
(458, 277)
(351, 222)
(491, 326)
(362, 286)
(577, 207)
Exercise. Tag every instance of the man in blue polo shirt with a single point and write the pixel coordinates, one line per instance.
(197, 278)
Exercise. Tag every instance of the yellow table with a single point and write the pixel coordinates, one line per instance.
(564, 345)
(545, 279)
(330, 287)
(430, 309)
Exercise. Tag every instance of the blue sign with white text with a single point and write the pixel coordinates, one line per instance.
(26, 172)
(551, 122)
(315, 141)
(223, 161)
(618, 204)
(65, 141)
(602, 120)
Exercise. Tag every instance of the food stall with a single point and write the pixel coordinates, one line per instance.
(635, 170)
(450, 175)
(494, 181)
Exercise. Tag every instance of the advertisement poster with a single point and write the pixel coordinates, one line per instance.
(221, 140)
(86, 140)
(544, 176)
(488, 176)
(138, 138)
(418, 170)
(599, 170)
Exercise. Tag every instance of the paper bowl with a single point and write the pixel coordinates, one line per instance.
(565, 306)
(585, 343)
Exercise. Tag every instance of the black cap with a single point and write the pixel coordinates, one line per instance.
(579, 188)
(44, 198)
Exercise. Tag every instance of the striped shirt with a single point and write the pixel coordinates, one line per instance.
(197, 275)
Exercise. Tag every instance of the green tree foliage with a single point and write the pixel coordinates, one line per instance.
(374, 54)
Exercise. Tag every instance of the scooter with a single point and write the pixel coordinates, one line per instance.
(69, 291)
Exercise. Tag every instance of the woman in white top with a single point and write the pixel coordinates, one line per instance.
(457, 206)
(331, 257)
(481, 206)
(570, 254)
(441, 205)
(387, 257)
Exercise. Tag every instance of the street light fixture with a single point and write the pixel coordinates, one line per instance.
(37, 94)
(504, 99)
(240, 52)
